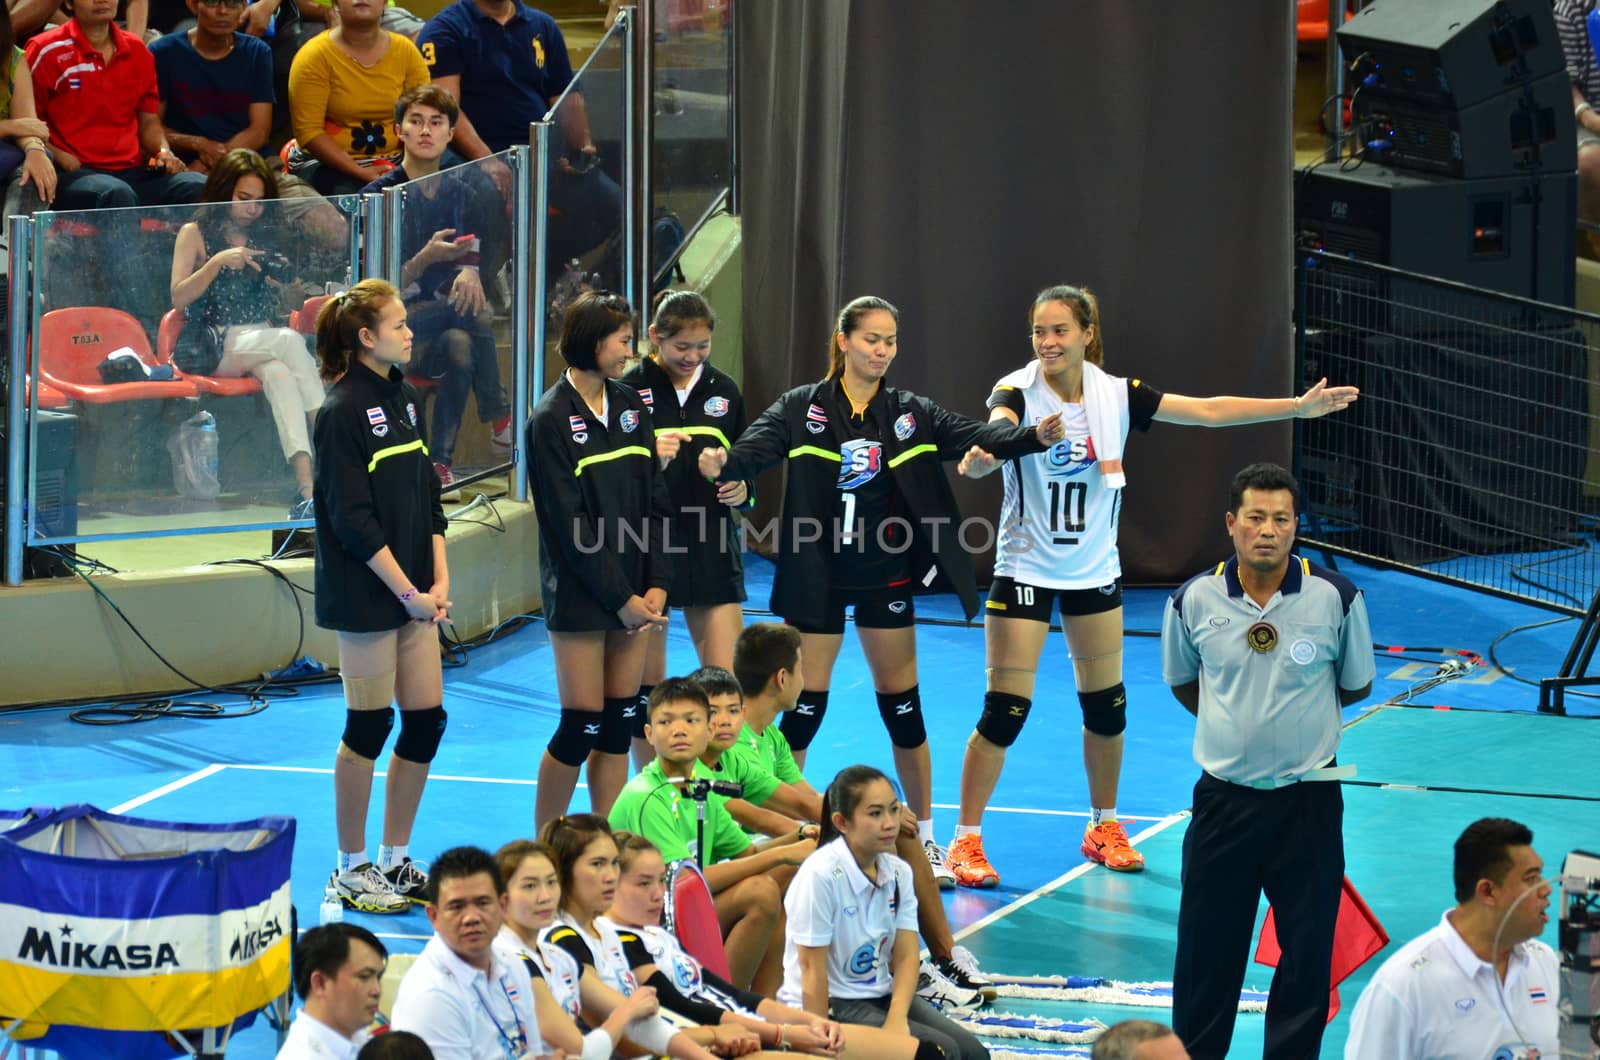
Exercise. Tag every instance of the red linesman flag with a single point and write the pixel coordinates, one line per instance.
(1357, 935)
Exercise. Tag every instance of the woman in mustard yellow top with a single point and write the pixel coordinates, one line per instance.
(342, 89)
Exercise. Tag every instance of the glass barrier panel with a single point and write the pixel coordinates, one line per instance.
(691, 154)
(452, 253)
(174, 368)
(584, 214)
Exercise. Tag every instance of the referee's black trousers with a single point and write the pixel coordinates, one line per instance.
(1241, 842)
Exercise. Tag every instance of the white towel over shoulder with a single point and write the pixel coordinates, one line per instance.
(1105, 404)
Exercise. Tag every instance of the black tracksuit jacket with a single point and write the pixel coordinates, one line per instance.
(602, 506)
(374, 486)
(803, 426)
(703, 537)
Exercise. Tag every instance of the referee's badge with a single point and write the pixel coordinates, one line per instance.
(1303, 652)
(1262, 637)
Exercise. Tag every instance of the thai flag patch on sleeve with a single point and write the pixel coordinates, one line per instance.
(577, 423)
(375, 416)
(647, 397)
(815, 413)
(1537, 995)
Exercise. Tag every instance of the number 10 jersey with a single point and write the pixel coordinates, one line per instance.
(1058, 521)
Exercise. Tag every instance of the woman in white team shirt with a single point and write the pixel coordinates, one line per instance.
(1058, 541)
(850, 946)
(684, 986)
(585, 860)
(562, 993)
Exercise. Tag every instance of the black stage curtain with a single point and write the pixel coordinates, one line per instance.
(955, 158)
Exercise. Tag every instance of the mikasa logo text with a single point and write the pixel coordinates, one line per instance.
(43, 947)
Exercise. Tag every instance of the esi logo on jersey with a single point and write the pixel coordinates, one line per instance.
(628, 421)
(905, 426)
(716, 406)
(859, 460)
(1070, 456)
(864, 961)
(411, 410)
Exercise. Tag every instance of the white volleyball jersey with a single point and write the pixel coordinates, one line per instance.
(1058, 521)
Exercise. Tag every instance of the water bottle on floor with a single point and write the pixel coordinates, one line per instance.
(332, 907)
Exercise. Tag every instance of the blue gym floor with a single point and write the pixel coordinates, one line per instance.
(1469, 748)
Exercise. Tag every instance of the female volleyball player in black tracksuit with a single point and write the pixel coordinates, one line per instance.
(381, 582)
(602, 507)
(868, 513)
(694, 406)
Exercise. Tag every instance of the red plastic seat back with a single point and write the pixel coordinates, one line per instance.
(691, 914)
(167, 339)
(73, 342)
(304, 319)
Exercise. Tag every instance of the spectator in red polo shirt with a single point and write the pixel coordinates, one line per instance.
(95, 86)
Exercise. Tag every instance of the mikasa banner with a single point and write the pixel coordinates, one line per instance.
(124, 924)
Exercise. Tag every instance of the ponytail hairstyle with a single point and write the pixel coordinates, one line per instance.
(1085, 310)
(567, 837)
(844, 795)
(672, 311)
(591, 317)
(850, 320)
(341, 319)
(629, 846)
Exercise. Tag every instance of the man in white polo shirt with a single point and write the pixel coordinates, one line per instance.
(338, 972)
(1264, 650)
(460, 997)
(1456, 993)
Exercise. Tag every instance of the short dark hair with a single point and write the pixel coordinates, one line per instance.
(395, 1045)
(1121, 1041)
(428, 94)
(460, 863)
(674, 689)
(763, 649)
(715, 681)
(325, 949)
(591, 317)
(1262, 476)
(1483, 852)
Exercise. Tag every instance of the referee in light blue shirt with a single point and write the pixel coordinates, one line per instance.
(1264, 650)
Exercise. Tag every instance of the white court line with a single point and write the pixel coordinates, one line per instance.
(1065, 878)
(380, 773)
(1042, 813)
(167, 789)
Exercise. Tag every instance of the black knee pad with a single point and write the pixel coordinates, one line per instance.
(420, 733)
(799, 726)
(902, 716)
(638, 713)
(1105, 713)
(366, 731)
(1002, 718)
(576, 735)
(616, 728)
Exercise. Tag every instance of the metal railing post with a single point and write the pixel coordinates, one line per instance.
(642, 191)
(522, 300)
(17, 433)
(734, 196)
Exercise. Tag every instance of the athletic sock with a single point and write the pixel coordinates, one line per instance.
(349, 859)
(968, 829)
(925, 830)
(390, 856)
(1100, 815)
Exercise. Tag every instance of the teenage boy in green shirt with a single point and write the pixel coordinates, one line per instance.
(748, 886)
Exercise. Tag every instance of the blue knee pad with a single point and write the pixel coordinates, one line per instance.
(902, 716)
(420, 733)
(1105, 713)
(616, 728)
(800, 725)
(576, 735)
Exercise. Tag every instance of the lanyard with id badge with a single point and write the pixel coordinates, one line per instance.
(515, 1045)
